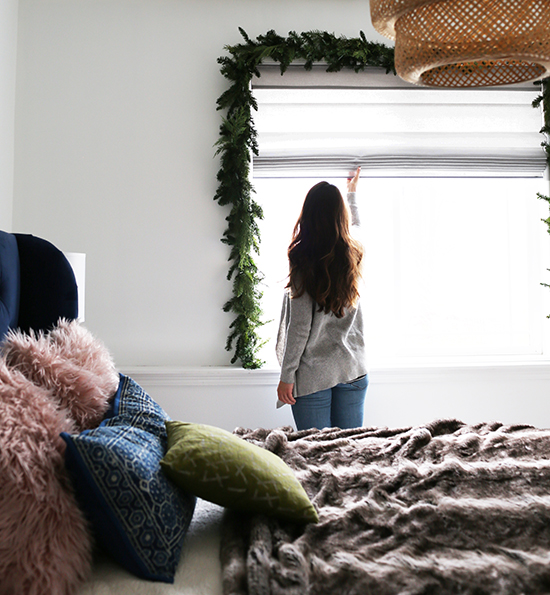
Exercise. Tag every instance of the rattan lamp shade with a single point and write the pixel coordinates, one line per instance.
(466, 43)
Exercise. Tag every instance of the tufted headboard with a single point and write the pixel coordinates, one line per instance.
(37, 284)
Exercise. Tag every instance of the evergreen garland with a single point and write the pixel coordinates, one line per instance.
(544, 100)
(237, 144)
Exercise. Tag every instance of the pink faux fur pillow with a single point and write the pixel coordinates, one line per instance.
(70, 362)
(45, 544)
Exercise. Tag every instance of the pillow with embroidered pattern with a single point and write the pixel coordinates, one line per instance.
(220, 467)
(136, 513)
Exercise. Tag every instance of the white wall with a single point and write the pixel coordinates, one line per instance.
(8, 46)
(114, 132)
(116, 124)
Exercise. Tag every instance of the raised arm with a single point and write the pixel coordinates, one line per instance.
(352, 189)
(352, 182)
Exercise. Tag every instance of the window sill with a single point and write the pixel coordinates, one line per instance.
(391, 371)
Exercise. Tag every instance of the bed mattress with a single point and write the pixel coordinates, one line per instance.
(199, 571)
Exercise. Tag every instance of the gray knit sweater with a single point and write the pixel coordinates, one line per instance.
(317, 350)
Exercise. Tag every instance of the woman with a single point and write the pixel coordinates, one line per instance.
(320, 344)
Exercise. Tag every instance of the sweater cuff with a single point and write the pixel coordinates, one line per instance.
(288, 378)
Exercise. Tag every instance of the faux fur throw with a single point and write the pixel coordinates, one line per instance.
(50, 383)
(441, 509)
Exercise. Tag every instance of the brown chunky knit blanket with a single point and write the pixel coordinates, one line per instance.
(446, 508)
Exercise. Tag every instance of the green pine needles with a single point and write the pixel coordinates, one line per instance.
(238, 143)
(544, 100)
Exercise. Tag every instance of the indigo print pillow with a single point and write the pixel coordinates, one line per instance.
(136, 514)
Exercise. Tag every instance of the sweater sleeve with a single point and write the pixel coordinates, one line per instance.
(299, 319)
(352, 202)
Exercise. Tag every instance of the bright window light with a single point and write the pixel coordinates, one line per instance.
(455, 250)
(452, 267)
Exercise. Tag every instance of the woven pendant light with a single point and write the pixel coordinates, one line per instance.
(466, 43)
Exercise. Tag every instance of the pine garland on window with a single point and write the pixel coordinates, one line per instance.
(544, 100)
(237, 144)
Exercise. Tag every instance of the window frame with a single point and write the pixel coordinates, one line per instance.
(237, 142)
(296, 79)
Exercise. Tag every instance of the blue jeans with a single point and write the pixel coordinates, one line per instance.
(341, 406)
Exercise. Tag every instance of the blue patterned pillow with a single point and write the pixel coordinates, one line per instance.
(138, 516)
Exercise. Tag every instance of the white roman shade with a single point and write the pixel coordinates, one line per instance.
(313, 124)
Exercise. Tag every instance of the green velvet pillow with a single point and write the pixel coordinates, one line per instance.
(225, 469)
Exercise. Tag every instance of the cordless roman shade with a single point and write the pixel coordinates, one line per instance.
(313, 124)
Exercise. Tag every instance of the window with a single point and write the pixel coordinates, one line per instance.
(452, 266)
(454, 247)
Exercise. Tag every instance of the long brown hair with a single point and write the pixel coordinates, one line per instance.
(324, 260)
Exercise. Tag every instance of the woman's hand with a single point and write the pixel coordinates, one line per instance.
(285, 393)
(352, 182)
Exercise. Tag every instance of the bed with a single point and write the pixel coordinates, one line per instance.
(104, 494)
(444, 508)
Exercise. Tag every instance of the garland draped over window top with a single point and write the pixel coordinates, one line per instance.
(238, 142)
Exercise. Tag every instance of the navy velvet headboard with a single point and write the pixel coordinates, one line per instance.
(37, 284)
(9, 282)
